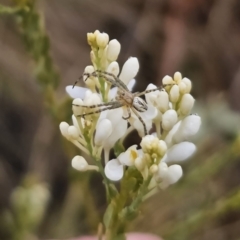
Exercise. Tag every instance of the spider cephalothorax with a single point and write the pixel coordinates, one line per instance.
(124, 98)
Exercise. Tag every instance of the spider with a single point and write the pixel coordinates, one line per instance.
(131, 101)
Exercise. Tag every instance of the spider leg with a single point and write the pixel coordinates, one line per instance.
(129, 114)
(100, 110)
(141, 120)
(153, 90)
(115, 78)
(97, 105)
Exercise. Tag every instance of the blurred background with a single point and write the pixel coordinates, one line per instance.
(43, 48)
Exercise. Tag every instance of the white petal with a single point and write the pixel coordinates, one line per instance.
(128, 157)
(151, 113)
(162, 170)
(114, 170)
(129, 70)
(131, 84)
(188, 128)
(112, 93)
(76, 92)
(118, 131)
(174, 173)
(180, 152)
(169, 137)
(92, 99)
(103, 131)
(119, 126)
(137, 124)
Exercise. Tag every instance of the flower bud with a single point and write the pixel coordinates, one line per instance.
(174, 93)
(113, 50)
(64, 129)
(167, 80)
(182, 88)
(89, 69)
(93, 57)
(76, 106)
(129, 70)
(163, 101)
(113, 68)
(186, 104)
(73, 132)
(139, 163)
(188, 84)
(102, 40)
(79, 163)
(169, 119)
(91, 37)
(162, 147)
(153, 169)
(177, 77)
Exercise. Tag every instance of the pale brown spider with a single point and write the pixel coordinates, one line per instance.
(131, 101)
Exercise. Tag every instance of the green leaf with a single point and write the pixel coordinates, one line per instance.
(108, 216)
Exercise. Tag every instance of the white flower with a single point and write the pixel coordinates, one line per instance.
(132, 156)
(103, 131)
(180, 152)
(188, 128)
(128, 157)
(119, 127)
(168, 175)
(114, 170)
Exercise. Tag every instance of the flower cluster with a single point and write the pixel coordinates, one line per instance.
(104, 128)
